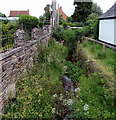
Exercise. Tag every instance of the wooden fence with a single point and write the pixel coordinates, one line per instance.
(102, 43)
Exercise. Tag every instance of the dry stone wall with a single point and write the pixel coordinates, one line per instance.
(15, 61)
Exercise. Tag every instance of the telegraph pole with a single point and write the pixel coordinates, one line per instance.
(54, 14)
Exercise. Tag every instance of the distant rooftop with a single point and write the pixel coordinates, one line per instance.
(111, 13)
(16, 13)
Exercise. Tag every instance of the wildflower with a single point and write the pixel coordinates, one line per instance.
(86, 107)
(55, 95)
(77, 89)
(61, 97)
(69, 102)
(65, 68)
(53, 110)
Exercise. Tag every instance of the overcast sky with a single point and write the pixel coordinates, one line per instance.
(36, 6)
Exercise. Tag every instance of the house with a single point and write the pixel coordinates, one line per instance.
(107, 26)
(17, 13)
(60, 11)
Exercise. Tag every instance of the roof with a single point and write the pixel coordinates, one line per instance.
(64, 16)
(111, 13)
(75, 1)
(16, 13)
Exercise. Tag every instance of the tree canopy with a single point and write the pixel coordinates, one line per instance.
(97, 9)
(82, 11)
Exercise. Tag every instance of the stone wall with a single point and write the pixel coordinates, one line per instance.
(15, 61)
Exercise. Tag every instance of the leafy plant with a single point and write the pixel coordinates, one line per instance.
(58, 33)
(28, 22)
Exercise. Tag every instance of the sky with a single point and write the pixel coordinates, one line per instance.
(36, 6)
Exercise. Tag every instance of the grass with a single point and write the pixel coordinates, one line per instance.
(104, 59)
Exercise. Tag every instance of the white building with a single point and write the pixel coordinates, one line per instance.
(107, 26)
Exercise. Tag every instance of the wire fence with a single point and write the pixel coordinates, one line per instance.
(7, 42)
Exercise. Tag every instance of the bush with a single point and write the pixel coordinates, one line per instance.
(28, 22)
(96, 30)
(65, 24)
(69, 38)
(58, 33)
(85, 31)
(7, 33)
(79, 24)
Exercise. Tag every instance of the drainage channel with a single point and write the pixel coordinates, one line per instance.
(64, 100)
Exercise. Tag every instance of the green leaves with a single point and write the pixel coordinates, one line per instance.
(28, 22)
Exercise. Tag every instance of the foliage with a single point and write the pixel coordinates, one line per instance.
(79, 24)
(82, 11)
(69, 38)
(28, 22)
(2, 15)
(66, 24)
(94, 100)
(74, 71)
(85, 31)
(58, 33)
(7, 33)
(91, 20)
(36, 89)
(47, 12)
(96, 30)
(96, 9)
(97, 49)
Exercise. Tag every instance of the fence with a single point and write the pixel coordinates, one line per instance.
(102, 43)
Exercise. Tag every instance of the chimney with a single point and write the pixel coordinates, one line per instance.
(61, 8)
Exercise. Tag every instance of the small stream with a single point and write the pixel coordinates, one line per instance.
(69, 88)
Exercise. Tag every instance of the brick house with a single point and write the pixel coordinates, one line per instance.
(64, 16)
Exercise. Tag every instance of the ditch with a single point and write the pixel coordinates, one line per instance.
(58, 87)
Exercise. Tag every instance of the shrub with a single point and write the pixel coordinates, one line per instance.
(85, 31)
(69, 38)
(96, 30)
(7, 33)
(28, 22)
(65, 24)
(79, 24)
(58, 33)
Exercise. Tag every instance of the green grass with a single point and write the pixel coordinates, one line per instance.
(105, 57)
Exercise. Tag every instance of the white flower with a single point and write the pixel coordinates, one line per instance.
(61, 97)
(86, 107)
(65, 68)
(53, 110)
(69, 102)
(77, 89)
(55, 95)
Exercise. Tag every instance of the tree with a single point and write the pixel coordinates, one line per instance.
(96, 9)
(2, 15)
(91, 20)
(47, 12)
(82, 11)
(28, 22)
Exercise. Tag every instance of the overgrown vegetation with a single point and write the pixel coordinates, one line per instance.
(28, 22)
(39, 93)
(103, 54)
(8, 30)
(35, 90)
